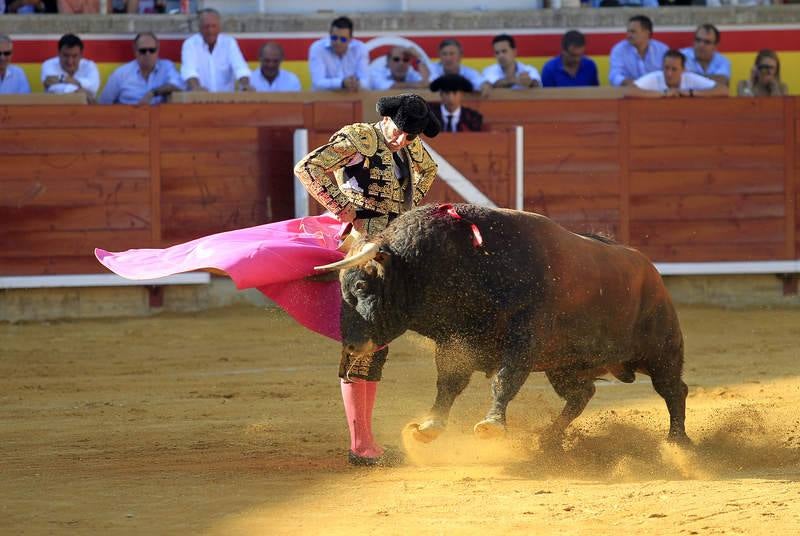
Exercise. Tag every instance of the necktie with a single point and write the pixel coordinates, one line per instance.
(449, 126)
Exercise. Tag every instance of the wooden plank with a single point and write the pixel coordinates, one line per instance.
(570, 160)
(707, 181)
(70, 243)
(558, 134)
(155, 173)
(73, 117)
(55, 192)
(85, 218)
(213, 217)
(333, 115)
(568, 208)
(75, 140)
(209, 190)
(768, 230)
(209, 140)
(210, 164)
(573, 184)
(50, 265)
(712, 252)
(524, 112)
(689, 132)
(755, 157)
(790, 150)
(707, 207)
(48, 168)
(623, 153)
(232, 115)
(700, 110)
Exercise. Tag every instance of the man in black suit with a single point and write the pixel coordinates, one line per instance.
(453, 116)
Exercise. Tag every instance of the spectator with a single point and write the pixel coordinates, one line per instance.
(145, 80)
(450, 54)
(339, 61)
(765, 77)
(450, 113)
(12, 78)
(508, 72)
(704, 59)
(212, 61)
(270, 76)
(626, 3)
(138, 6)
(23, 7)
(78, 7)
(571, 68)
(70, 72)
(675, 81)
(398, 72)
(637, 55)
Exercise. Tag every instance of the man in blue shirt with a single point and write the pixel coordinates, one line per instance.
(12, 78)
(145, 80)
(704, 59)
(637, 55)
(571, 68)
(339, 61)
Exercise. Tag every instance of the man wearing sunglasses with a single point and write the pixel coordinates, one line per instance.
(12, 78)
(398, 72)
(704, 59)
(70, 72)
(145, 80)
(367, 175)
(212, 61)
(339, 62)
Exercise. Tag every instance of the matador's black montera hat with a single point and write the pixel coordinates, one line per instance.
(410, 113)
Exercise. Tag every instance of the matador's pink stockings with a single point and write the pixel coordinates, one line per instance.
(359, 399)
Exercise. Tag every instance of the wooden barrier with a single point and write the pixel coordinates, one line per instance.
(682, 180)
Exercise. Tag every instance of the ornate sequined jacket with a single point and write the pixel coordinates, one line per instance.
(369, 184)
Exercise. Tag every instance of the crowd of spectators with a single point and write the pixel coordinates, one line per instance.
(83, 7)
(212, 61)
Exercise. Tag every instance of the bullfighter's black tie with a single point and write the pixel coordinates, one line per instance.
(449, 126)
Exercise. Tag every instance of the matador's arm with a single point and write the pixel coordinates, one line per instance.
(425, 165)
(316, 169)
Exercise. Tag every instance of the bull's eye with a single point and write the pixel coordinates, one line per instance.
(361, 286)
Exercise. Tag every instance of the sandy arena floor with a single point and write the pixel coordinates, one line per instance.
(230, 422)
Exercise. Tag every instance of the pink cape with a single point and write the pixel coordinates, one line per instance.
(273, 258)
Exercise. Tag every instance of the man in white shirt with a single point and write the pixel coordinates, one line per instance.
(70, 72)
(12, 78)
(675, 81)
(270, 76)
(212, 61)
(508, 72)
(398, 72)
(450, 54)
(339, 61)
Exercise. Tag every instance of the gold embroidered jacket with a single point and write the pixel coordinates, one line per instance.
(370, 184)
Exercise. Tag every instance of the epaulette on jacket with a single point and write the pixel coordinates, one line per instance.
(362, 135)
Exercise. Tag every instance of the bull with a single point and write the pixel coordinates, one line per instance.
(532, 297)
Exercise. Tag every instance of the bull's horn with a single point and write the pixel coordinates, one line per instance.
(367, 252)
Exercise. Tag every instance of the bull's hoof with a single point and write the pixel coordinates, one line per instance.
(488, 429)
(427, 431)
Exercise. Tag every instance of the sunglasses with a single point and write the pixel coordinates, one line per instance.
(341, 38)
(5, 52)
(398, 58)
(704, 41)
(148, 50)
(767, 68)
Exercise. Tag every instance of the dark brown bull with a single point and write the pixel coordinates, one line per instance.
(533, 297)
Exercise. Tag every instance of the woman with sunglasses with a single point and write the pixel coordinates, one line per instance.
(765, 77)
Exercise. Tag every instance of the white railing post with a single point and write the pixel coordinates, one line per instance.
(519, 166)
(300, 193)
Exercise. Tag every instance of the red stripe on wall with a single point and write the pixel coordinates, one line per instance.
(475, 46)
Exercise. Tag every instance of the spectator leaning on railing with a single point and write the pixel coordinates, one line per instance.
(508, 72)
(145, 80)
(450, 54)
(637, 55)
(12, 78)
(704, 59)
(570, 68)
(338, 61)
(269, 76)
(674, 81)
(70, 72)
(212, 61)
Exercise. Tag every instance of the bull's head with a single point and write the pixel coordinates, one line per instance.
(370, 316)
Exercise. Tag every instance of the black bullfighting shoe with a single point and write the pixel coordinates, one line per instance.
(389, 458)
